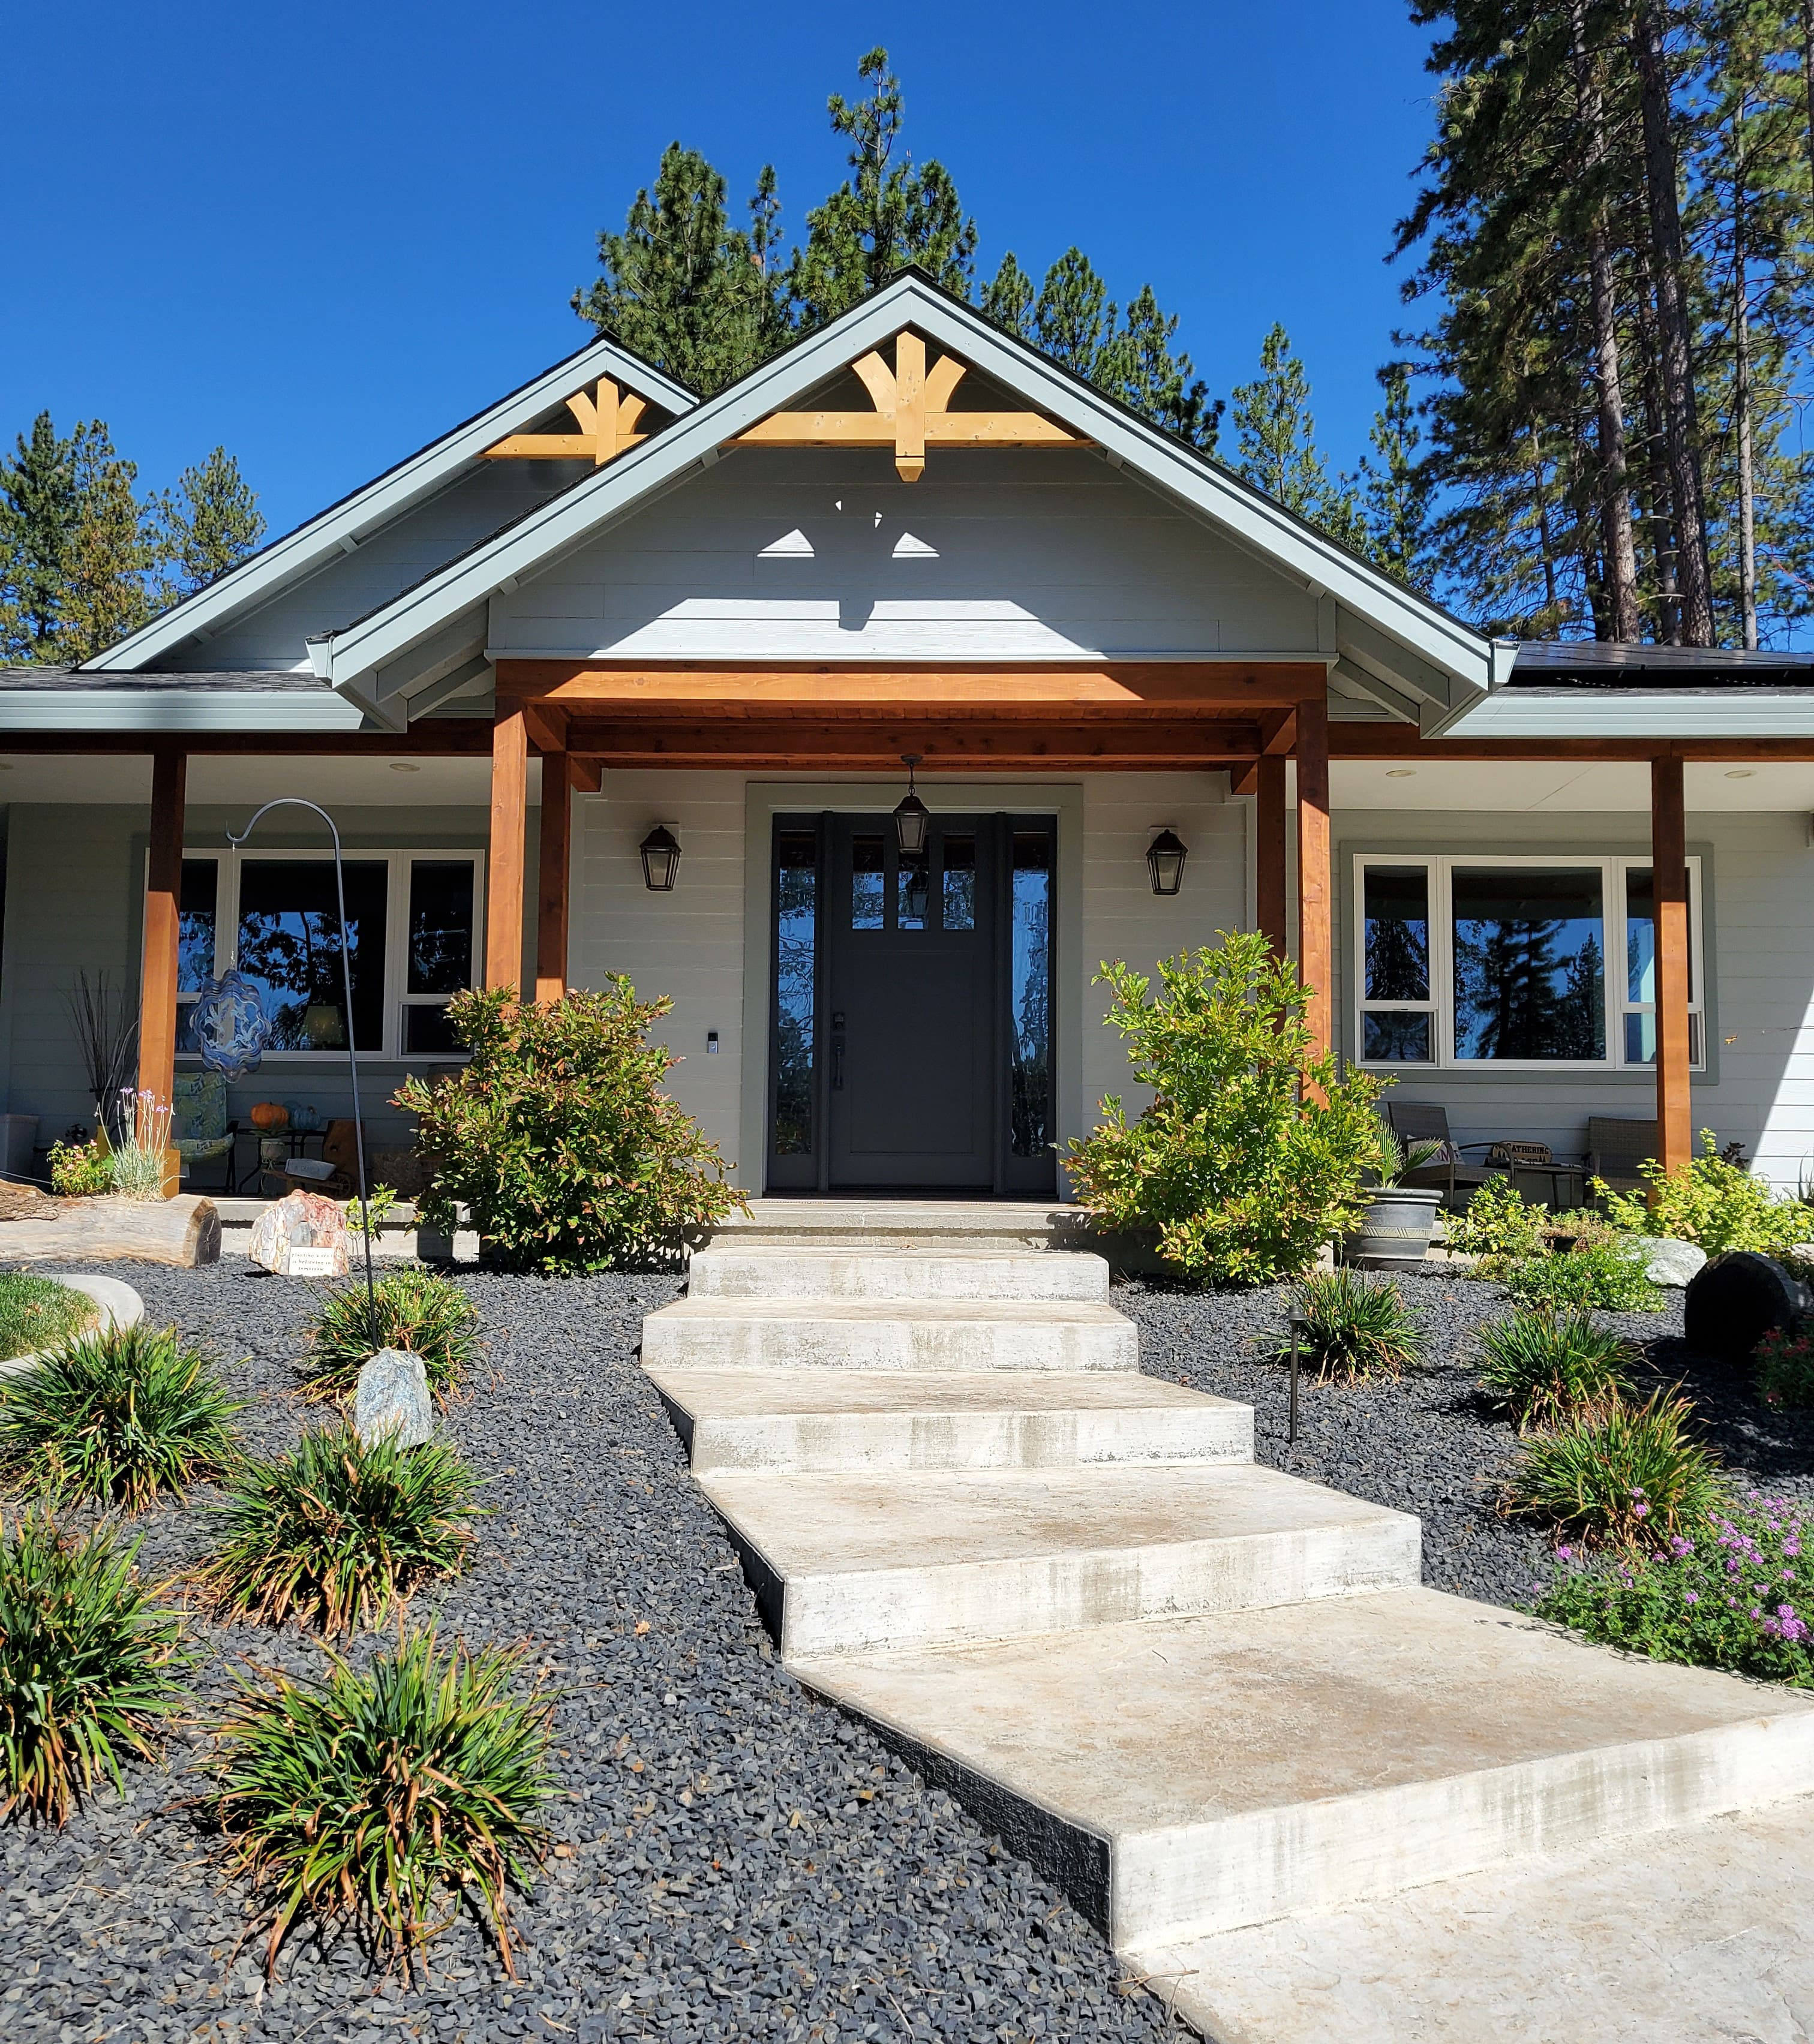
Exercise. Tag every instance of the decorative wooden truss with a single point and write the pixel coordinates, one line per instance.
(910, 415)
(608, 422)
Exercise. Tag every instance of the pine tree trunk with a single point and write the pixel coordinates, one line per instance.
(1680, 425)
(1540, 495)
(1742, 388)
(1616, 546)
(1661, 520)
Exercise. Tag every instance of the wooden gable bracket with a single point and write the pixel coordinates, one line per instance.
(911, 414)
(608, 422)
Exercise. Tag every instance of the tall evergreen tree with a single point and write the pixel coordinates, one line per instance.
(1397, 490)
(887, 215)
(1008, 297)
(210, 521)
(1276, 437)
(38, 505)
(114, 550)
(701, 299)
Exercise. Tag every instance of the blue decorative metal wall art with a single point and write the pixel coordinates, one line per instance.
(231, 1026)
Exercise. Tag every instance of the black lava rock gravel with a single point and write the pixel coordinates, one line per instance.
(733, 1859)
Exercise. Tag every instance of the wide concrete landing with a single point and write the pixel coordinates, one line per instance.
(885, 1273)
(732, 1332)
(877, 1421)
(844, 1564)
(1221, 1771)
(859, 1224)
(1681, 1937)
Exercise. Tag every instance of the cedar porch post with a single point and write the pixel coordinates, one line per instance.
(504, 868)
(551, 878)
(163, 898)
(1269, 864)
(1669, 880)
(1315, 939)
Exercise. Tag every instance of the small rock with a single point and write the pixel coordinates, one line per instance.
(1666, 1261)
(299, 1221)
(393, 1398)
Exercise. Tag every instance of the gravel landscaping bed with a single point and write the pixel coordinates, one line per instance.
(1431, 1443)
(733, 1859)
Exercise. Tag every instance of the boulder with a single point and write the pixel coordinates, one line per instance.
(393, 1398)
(1667, 1261)
(1734, 1300)
(301, 1220)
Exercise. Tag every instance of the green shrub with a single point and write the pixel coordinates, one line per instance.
(1357, 1327)
(1711, 1201)
(427, 1314)
(1606, 1275)
(557, 1137)
(1253, 1151)
(115, 1417)
(90, 1667)
(1785, 1366)
(330, 1534)
(367, 1216)
(1547, 1366)
(1726, 1596)
(1499, 1227)
(379, 1800)
(80, 1170)
(1624, 1474)
(38, 1313)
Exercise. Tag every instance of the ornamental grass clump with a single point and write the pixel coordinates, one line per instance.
(1607, 1276)
(1619, 1474)
(379, 1800)
(38, 1313)
(1545, 1366)
(557, 1139)
(1711, 1200)
(1354, 1327)
(428, 1314)
(1256, 1147)
(330, 1534)
(1729, 1594)
(90, 1666)
(116, 1417)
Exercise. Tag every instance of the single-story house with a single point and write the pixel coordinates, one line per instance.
(612, 679)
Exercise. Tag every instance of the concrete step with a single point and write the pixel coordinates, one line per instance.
(877, 1421)
(1024, 1224)
(847, 1563)
(718, 1332)
(1182, 1778)
(895, 1273)
(1697, 1934)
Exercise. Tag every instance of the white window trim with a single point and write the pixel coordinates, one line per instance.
(396, 996)
(1439, 867)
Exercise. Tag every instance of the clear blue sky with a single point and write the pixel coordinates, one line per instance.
(321, 234)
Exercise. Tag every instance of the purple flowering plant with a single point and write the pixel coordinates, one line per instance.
(1728, 1593)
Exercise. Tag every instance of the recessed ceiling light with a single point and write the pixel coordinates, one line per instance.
(1400, 773)
(405, 766)
(1741, 773)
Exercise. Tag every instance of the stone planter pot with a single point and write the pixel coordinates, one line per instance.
(1395, 1226)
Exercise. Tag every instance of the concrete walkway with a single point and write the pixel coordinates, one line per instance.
(1211, 1701)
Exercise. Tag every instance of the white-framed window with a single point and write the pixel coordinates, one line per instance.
(1533, 963)
(414, 923)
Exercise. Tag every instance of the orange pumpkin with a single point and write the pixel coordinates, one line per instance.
(268, 1117)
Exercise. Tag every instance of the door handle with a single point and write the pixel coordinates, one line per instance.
(837, 1052)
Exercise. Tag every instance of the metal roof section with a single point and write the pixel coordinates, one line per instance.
(341, 528)
(1406, 654)
(1593, 663)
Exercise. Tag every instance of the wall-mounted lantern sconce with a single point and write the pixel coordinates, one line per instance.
(911, 815)
(661, 859)
(1165, 861)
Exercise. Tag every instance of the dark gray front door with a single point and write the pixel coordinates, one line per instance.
(911, 1046)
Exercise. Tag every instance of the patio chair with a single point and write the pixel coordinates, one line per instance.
(199, 1128)
(1423, 1121)
(1616, 1147)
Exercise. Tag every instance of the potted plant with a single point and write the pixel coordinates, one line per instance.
(1397, 1220)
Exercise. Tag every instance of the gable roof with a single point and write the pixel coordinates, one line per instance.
(1414, 658)
(341, 527)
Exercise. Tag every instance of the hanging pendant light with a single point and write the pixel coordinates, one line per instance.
(1165, 862)
(911, 815)
(660, 852)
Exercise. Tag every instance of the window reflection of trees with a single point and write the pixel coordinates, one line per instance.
(1030, 1076)
(288, 946)
(795, 978)
(1530, 968)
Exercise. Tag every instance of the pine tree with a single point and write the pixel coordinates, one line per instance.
(1277, 439)
(1074, 320)
(114, 550)
(210, 522)
(1007, 298)
(701, 299)
(1397, 493)
(888, 215)
(38, 504)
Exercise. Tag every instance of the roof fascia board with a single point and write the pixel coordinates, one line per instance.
(312, 545)
(1382, 693)
(250, 711)
(1637, 713)
(1444, 643)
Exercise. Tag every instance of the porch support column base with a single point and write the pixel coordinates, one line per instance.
(504, 873)
(1316, 938)
(1668, 880)
(158, 972)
